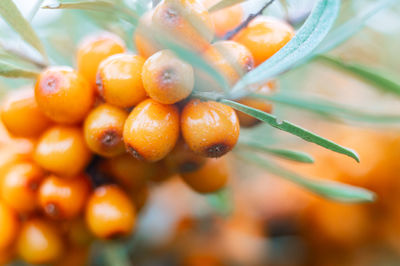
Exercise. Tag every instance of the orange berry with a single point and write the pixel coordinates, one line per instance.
(186, 22)
(19, 186)
(63, 95)
(74, 256)
(95, 49)
(6, 256)
(146, 44)
(210, 178)
(110, 213)
(166, 78)
(119, 80)
(62, 150)
(77, 233)
(151, 130)
(39, 242)
(264, 36)
(22, 116)
(63, 198)
(225, 19)
(182, 159)
(9, 226)
(140, 197)
(209, 128)
(103, 130)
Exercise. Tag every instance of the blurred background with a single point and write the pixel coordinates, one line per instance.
(261, 219)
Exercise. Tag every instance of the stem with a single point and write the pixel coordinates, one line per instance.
(244, 24)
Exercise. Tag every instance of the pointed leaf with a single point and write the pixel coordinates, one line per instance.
(224, 4)
(12, 71)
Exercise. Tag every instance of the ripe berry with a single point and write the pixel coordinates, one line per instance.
(103, 130)
(119, 80)
(110, 213)
(166, 78)
(63, 95)
(76, 256)
(62, 150)
(264, 36)
(187, 21)
(225, 19)
(95, 49)
(9, 226)
(209, 128)
(140, 197)
(145, 43)
(19, 186)
(210, 178)
(151, 130)
(77, 232)
(22, 116)
(183, 160)
(39, 242)
(62, 198)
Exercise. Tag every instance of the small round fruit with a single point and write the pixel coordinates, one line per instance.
(210, 178)
(119, 80)
(187, 22)
(209, 128)
(225, 19)
(103, 130)
(146, 44)
(39, 242)
(19, 186)
(264, 36)
(166, 78)
(63, 95)
(95, 49)
(62, 198)
(110, 213)
(151, 130)
(22, 116)
(62, 150)
(183, 160)
(140, 197)
(9, 226)
(77, 232)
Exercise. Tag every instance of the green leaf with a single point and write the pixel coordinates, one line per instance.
(328, 109)
(373, 76)
(11, 14)
(12, 71)
(324, 188)
(221, 201)
(34, 10)
(303, 43)
(224, 4)
(292, 128)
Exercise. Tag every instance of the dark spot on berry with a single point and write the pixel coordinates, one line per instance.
(133, 152)
(115, 235)
(33, 185)
(217, 150)
(110, 138)
(52, 210)
(99, 84)
(50, 83)
(189, 166)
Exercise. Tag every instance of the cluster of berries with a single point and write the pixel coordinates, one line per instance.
(136, 114)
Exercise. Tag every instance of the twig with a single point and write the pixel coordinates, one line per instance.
(244, 24)
(22, 55)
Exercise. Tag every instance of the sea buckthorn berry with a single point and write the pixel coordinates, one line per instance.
(210, 178)
(110, 213)
(265, 106)
(140, 197)
(39, 242)
(7, 255)
(151, 130)
(103, 130)
(62, 198)
(19, 186)
(77, 232)
(264, 36)
(9, 226)
(95, 49)
(62, 150)
(22, 116)
(232, 59)
(119, 80)
(146, 44)
(166, 78)
(187, 22)
(63, 95)
(182, 159)
(76, 256)
(209, 128)
(225, 19)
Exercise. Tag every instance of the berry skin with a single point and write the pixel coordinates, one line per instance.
(119, 80)
(151, 130)
(146, 45)
(9, 226)
(77, 233)
(95, 49)
(62, 150)
(19, 186)
(264, 36)
(110, 213)
(39, 242)
(62, 198)
(183, 160)
(166, 78)
(140, 197)
(63, 95)
(186, 20)
(103, 130)
(209, 128)
(22, 116)
(210, 178)
(225, 19)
